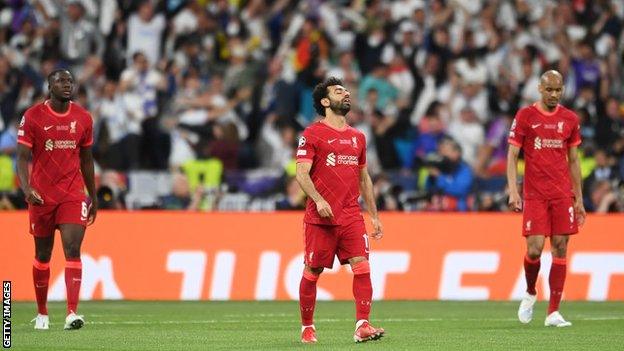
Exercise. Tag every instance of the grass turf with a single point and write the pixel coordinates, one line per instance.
(410, 325)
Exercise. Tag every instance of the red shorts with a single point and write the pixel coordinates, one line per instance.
(324, 242)
(549, 217)
(44, 219)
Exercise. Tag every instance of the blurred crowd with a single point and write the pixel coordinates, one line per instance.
(212, 94)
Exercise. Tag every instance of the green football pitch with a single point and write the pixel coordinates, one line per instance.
(410, 325)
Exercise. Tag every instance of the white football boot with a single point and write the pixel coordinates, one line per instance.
(73, 321)
(555, 319)
(525, 311)
(42, 322)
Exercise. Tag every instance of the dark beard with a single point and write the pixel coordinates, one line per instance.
(340, 108)
(60, 97)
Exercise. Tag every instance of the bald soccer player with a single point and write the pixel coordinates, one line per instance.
(553, 203)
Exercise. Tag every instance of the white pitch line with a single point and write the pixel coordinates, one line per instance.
(335, 320)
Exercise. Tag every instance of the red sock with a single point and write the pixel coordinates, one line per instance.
(556, 282)
(362, 290)
(531, 269)
(307, 297)
(73, 278)
(41, 279)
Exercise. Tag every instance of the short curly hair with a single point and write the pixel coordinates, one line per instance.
(320, 92)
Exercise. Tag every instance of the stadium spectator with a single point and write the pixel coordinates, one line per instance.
(81, 42)
(181, 197)
(294, 198)
(385, 194)
(145, 29)
(118, 136)
(603, 198)
(277, 143)
(604, 170)
(468, 133)
(140, 85)
(450, 178)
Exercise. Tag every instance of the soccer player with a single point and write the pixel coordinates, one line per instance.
(58, 134)
(553, 201)
(331, 169)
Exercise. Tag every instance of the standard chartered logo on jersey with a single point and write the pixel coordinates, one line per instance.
(59, 144)
(333, 160)
(539, 143)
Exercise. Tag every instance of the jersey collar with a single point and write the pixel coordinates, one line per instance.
(47, 105)
(544, 112)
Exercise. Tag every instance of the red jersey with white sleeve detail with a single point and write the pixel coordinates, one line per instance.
(337, 155)
(55, 140)
(545, 138)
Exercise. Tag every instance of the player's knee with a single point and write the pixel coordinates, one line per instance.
(355, 260)
(72, 251)
(361, 267)
(559, 251)
(43, 256)
(315, 270)
(534, 252)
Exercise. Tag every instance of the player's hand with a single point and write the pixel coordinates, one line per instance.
(33, 197)
(92, 214)
(579, 210)
(378, 233)
(323, 209)
(515, 202)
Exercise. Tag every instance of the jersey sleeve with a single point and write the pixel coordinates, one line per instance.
(87, 138)
(517, 132)
(306, 148)
(362, 156)
(25, 133)
(575, 136)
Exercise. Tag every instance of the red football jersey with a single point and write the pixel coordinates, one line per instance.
(337, 157)
(545, 138)
(55, 140)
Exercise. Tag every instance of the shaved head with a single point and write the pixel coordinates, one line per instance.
(551, 89)
(550, 76)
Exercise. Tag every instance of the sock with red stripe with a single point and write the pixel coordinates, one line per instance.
(73, 278)
(307, 297)
(362, 290)
(556, 282)
(41, 279)
(531, 270)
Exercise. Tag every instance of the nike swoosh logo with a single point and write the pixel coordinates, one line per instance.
(535, 125)
(48, 127)
(331, 141)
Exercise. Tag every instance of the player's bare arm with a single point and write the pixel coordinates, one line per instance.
(304, 180)
(86, 168)
(23, 156)
(515, 202)
(575, 173)
(366, 189)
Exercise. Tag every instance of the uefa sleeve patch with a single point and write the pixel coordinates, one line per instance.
(301, 152)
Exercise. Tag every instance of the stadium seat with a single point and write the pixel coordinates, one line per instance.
(144, 188)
